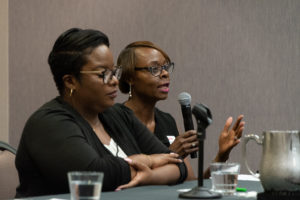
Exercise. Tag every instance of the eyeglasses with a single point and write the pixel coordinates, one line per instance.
(156, 70)
(107, 74)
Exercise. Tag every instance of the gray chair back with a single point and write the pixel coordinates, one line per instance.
(8, 173)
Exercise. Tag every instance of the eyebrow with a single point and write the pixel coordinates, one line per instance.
(105, 67)
(98, 68)
(158, 63)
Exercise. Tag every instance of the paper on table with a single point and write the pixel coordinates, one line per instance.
(246, 194)
(49, 199)
(56, 199)
(184, 190)
(247, 177)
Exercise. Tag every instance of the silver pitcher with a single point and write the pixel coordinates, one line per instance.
(280, 162)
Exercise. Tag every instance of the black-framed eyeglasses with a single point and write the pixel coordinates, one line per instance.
(156, 70)
(107, 74)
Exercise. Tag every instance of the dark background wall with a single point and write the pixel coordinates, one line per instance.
(236, 56)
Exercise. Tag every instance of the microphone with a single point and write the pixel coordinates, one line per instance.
(204, 118)
(184, 99)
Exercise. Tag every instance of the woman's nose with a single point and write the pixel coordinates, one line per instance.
(164, 73)
(113, 81)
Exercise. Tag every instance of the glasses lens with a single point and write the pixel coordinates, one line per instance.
(118, 73)
(155, 70)
(107, 76)
(169, 67)
(110, 73)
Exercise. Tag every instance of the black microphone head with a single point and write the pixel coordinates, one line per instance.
(184, 98)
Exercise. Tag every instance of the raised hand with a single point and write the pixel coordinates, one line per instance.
(184, 144)
(229, 138)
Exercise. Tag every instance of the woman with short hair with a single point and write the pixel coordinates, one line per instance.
(80, 130)
(146, 78)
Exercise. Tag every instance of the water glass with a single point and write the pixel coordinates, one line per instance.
(85, 185)
(224, 177)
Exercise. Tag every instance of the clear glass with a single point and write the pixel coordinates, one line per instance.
(224, 177)
(85, 185)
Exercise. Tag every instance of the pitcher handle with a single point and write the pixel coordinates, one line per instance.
(258, 140)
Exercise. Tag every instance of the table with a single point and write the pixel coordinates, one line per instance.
(159, 192)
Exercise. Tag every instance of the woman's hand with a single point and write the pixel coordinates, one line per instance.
(184, 144)
(141, 174)
(163, 159)
(229, 138)
(156, 160)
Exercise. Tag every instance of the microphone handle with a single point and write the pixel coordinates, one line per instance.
(188, 122)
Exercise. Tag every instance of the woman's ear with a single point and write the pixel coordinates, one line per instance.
(69, 82)
(131, 82)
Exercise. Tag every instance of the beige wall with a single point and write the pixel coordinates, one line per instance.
(4, 97)
(236, 56)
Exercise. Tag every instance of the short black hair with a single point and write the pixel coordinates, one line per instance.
(69, 52)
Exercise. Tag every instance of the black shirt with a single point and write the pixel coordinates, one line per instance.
(56, 140)
(165, 125)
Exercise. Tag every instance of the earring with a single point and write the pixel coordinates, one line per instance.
(130, 94)
(71, 92)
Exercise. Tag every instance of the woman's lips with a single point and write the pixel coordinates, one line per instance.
(113, 94)
(164, 87)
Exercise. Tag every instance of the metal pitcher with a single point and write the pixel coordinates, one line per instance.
(280, 162)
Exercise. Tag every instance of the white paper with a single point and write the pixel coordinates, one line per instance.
(247, 177)
(184, 190)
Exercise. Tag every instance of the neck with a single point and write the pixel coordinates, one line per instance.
(143, 109)
(86, 112)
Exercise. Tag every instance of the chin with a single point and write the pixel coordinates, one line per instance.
(162, 97)
(108, 104)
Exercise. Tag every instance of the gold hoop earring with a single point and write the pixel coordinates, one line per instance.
(130, 94)
(71, 92)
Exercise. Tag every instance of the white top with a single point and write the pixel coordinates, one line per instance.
(115, 149)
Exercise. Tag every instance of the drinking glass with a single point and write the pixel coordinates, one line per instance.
(85, 185)
(224, 177)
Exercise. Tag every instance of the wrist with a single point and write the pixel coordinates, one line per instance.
(150, 161)
(132, 172)
(221, 157)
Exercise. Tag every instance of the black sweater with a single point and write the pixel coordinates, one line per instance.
(56, 140)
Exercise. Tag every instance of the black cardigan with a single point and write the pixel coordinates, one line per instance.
(56, 140)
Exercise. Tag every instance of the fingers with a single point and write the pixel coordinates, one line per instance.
(185, 143)
(238, 121)
(237, 125)
(172, 158)
(193, 145)
(191, 139)
(187, 137)
(174, 161)
(240, 127)
(190, 147)
(189, 134)
(227, 124)
(132, 183)
(191, 150)
(139, 167)
(240, 130)
(173, 155)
